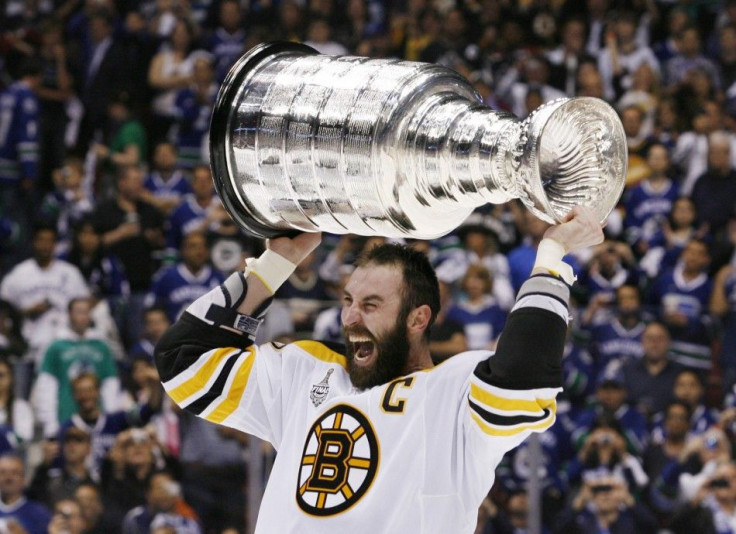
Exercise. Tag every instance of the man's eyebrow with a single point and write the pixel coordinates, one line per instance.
(375, 297)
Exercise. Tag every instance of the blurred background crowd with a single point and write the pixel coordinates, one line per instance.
(110, 227)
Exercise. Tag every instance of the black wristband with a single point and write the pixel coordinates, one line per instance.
(231, 318)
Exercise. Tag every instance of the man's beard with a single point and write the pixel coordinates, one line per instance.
(629, 315)
(392, 352)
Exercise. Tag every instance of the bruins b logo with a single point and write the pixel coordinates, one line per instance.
(339, 462)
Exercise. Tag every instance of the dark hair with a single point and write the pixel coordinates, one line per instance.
(420, 281)
(30, 66)
(730, 26)
(626, 15)
(573, 19)
(85, 221)
(677, 402)
(104, 15)
(195, 233)
(659, 144)
(84, 376)
(629, 286)
(43, 225)
(74, 300)
(689, 27)
(670, 215)
(705, 243)
(693, 372)
(122, 97)
(159, 472)
(14, 455)
(202, 165)
(661, 325)
(123, 170)
(11, 391)
(155, 309)
(92, 485)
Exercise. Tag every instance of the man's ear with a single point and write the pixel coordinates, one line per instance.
(418, 319)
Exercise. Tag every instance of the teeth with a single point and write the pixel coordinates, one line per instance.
(359, 339)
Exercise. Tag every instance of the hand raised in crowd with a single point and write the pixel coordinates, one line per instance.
(608, 486)
(101, 151)
(59, 524)
(720, 484)
(711, 446)
(606, 442)
(12, 526)
(128, 229)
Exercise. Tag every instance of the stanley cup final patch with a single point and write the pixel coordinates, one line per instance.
(321, 390)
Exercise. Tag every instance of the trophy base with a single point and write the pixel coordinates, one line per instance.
(218, 131)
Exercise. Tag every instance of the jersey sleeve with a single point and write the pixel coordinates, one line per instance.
(220, 375)
(156, 293)
(28, 136)
(108, 369)
(76, 286)
(512, 393)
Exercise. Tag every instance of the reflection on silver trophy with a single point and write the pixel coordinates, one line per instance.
(305, 142)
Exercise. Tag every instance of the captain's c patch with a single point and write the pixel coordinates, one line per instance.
(339, 462)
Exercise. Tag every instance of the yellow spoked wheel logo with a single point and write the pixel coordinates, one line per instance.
(339, 462)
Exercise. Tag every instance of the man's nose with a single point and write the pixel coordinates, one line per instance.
(350, 315)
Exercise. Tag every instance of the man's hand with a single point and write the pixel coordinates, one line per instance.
(295, 249)
(35, 311)
(291, 249)
(580, 230)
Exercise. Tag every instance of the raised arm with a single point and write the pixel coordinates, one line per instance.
(513, 392)
(205, 359)
(529, 353)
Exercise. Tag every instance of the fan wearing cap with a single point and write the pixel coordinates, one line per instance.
(479, 236)
(64, 468)
(164, 507)
(604, 504)
(610, 394)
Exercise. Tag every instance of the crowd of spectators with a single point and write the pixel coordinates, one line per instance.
(110, 227)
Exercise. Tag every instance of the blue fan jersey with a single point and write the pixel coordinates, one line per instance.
(176, 187)
(672, 293)
(18, 133)
(646, 209)
(176, 287)
(482, 324)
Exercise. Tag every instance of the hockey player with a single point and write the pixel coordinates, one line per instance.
(371, 437)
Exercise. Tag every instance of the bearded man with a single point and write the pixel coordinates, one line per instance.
(371, 437)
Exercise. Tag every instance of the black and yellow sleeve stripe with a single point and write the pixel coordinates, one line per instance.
(499, 412)
(213, 385)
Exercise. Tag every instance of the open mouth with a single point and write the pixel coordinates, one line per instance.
(363, 349)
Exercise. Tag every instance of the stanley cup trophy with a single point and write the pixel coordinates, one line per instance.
(306, 142)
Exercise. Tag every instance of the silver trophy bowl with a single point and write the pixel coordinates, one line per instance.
(305, 142)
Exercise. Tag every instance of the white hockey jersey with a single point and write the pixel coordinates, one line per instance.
(416, 455)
